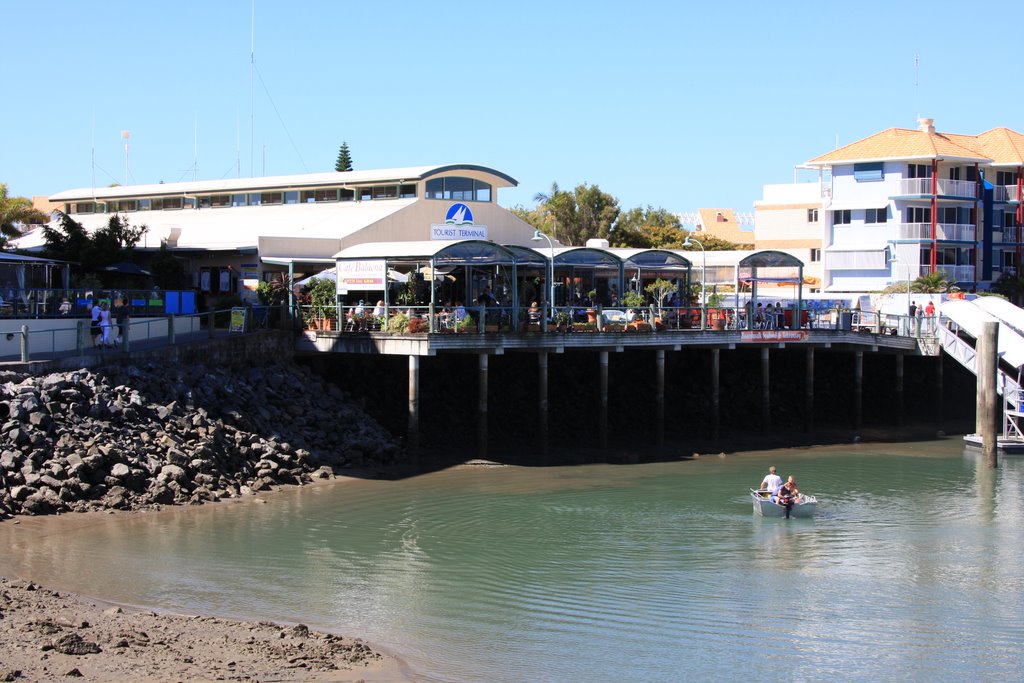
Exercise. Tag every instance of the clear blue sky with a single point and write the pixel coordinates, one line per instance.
(671, 104)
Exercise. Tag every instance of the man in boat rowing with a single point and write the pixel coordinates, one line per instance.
(788, 494)
(771, 482)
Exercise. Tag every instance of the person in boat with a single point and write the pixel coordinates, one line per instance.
(771, 483)
(787, 495)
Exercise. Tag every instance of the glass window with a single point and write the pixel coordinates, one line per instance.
(385, 192)
(918, 214)
(238, 200)
(84, 207)
(255, 199)
(271, 198)
(954, 173)
(435, 188)
(407, 191)
(145, 204)
(919, 171)
(867, 172)
(124, 205)
(812, 215)
(815, 255)
(875, 215)
(841, 217)
(167, 203)
(291, 197)
(347, 195)
(311, 196)
(220, 200)
(483, 191)
(458, 188)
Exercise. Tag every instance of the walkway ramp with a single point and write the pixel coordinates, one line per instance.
(1006, 312)
(969, 316)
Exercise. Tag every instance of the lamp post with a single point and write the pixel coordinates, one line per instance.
(703, 280)
(537, 236)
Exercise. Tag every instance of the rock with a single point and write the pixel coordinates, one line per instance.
(72, 644)
(120, 471)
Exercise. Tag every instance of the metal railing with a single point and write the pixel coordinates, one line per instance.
(953, 188)
(943, 231)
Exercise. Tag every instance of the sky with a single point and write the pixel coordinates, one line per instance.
(675, 105)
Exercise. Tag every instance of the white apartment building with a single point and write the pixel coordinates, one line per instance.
(902, 203)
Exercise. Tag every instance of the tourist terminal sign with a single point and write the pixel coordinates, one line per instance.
(458, 225)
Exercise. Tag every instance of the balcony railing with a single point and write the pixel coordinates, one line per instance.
(1009, 193)
(943, 231)
(958, 273)
(1011, 235)
(951, 188)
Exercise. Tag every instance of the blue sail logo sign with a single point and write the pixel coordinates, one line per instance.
(458, 225)
(459, 214)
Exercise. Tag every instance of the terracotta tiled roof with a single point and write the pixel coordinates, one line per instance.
(722, 223)
(904, 143)
(1003, 146)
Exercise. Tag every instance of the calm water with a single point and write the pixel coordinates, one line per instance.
(912, 569)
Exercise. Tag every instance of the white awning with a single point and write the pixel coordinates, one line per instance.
(855, 204)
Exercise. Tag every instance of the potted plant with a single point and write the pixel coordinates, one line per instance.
(659, 289)
(466, 325)
(562, 321)
(715, 315)
(592, 311)
(416, 325)
(323, 296)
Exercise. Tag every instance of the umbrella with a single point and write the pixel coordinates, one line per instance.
(126, 268)
(330, 274)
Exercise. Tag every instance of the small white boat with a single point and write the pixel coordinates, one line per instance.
(804, 505)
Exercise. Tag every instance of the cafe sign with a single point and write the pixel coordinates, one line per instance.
(361, 275)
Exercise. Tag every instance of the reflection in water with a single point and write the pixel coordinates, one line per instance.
(601, 572)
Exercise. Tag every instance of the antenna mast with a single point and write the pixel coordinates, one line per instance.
(917, 68)
(252, 115)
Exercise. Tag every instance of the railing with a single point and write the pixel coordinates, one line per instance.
(48, 338)
(954, 188)
(958, 273)
(57, 302)
(943, 231)
(1008, 192)
(1011, 235)
(580, 319)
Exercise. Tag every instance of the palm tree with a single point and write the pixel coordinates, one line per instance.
(934, 283)
(16, 211)
(546, 201)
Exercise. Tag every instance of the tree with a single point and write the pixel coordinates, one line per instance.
(1010, 286)
(574, 217)
(934, 283)
(168, 270)
(648, 229)
(15, 211)
(112, 243)
(344, 162)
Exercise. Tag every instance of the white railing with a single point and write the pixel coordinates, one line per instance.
(954, 188)
(944, 231)
(1009, 193)
(1011, 234)
(958, 273)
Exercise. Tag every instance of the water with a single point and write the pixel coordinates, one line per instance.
(657, 572)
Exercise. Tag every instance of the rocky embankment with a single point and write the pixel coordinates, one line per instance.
(130, 437)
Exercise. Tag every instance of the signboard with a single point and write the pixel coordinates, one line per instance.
(237, 320)
(360, 275)
(458, 225)
(773, 336)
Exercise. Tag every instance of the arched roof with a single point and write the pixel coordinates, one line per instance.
(525, 256)
(770, 259)
(653, 258)
(586, 256)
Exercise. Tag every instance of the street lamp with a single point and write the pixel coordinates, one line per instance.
(537, 236)
(703, 280)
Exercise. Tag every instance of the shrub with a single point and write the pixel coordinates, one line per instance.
(416, 325)
(397, 324)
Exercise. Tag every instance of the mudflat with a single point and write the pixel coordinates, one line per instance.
(48, 635)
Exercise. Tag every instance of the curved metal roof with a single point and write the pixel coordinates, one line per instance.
(586, 256)
(653, 258)
(770, 259)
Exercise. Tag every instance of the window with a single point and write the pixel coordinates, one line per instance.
(1006, 178)
(365, 194)
(918, 214)
(454, 187)
(970, 173)
(407, 191)
(947, 214)
(316, 196)
(238, 200)
(385, 192)
(291, 197)
(876, 215)
(841, 217)
(83, 207)
(868, 172)
(1009, 219)
(919, 171)
(123, 205)
(145, 205)
(815, 255)
(271, 198)
(215, 200)
(954, 173)
(346, 195)
(812, 215)
(167, 203)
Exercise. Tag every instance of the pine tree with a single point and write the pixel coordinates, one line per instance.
(344, 162)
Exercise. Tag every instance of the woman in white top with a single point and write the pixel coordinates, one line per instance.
(105, 324)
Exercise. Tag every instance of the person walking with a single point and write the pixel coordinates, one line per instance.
(94, 326)
(105, 325)
(121, 315)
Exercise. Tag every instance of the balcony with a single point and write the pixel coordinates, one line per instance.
(1010, 235)
(943, 231)
(957, 273)
(1009, 193)
(922, 187)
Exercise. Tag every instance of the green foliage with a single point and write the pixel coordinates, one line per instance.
(397, 324)
(648, 228)
(934, 283)
(1010, 286)
(572, 218)
(417, 325)
(659, 289)
(14, 212)
(562, 318)
(110, 244)
(467, 324)
(273, 292)
(632, 299)
(323, 296)
(168, 270)
(711, 243)
(344, 162)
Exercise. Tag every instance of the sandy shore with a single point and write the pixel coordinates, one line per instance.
(47, 635)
